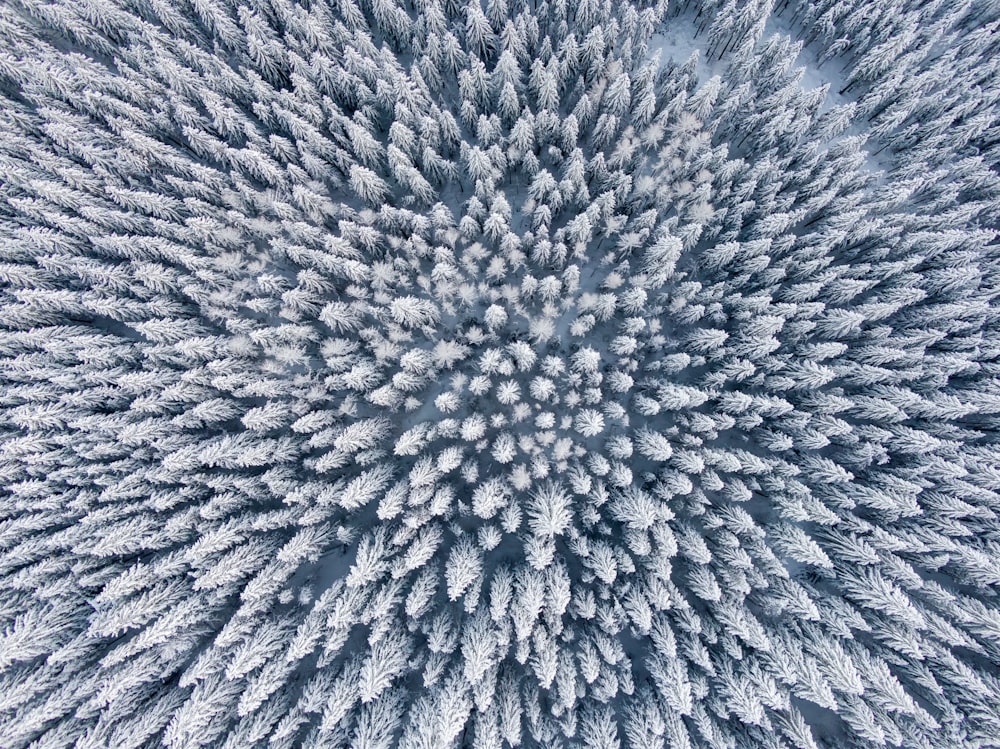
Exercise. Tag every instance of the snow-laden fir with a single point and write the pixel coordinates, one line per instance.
(516, 373)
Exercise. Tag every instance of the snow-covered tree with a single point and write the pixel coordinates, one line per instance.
(499, 374)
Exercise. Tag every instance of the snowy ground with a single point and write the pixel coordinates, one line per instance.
(677, 42)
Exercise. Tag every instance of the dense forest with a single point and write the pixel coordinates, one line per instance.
(499, 373)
